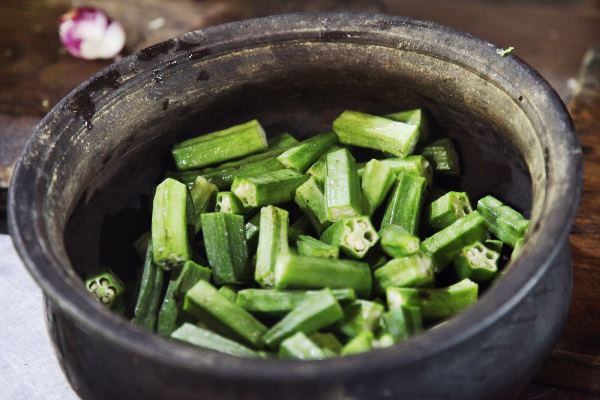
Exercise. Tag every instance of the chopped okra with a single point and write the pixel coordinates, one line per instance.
(107, 288)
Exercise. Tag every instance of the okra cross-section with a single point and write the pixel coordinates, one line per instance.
(354, 236)
(270, 188)
(415, 270)
(377, 180)
(170, 215)
(209, 340)
(373, 132)
(315, 312)
(309, 246)
(311, 200)
(236, 141)
(404, 207)
(301, 156)
(206, 303)
(225, 241)
(443, 157)
(446, 244)
(503, 221)
(107, 288)
(304, 272)
(477, 263)
(300, 347)
(447, 209)
(342, 186)
(272, 241)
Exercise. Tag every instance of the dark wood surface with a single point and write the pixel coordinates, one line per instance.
(553, 36)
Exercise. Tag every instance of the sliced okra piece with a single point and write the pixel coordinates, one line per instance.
(435, 303)
(203, 195)
(252, 230)
(272, 241)
(170, 215)
(189, 275)
(304, 272)
(397, 242)
(226, 248)
(328, 342)
(354, 236)
(377, 180)
(517, 249)
(342, 186)
(305, 153)
(416, 117)
(477, 263)
(220, 177)
(229, 293)
(227, 202)
(300, 227)
(311, 200)
(300, 347)
(205, 300)
(234, 142)
(447, 209)
(404, 207)
(209, 340)
(445, 245)
(108, 289)
(363, 342)
(373, 132)
(415, 165)
(277, 145)
(383, 340)
(315, 312)
(359, 316)
(409, 271)
(494, 244)
(270, 188)
(149, 295)
(309, 246)
(319, 169)
(503, 221)
(402, 322)
(442, 155)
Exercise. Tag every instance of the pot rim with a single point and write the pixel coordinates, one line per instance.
(28, 229)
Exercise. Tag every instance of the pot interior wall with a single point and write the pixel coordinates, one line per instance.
(297, 87)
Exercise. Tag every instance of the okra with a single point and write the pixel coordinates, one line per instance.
(277, 145)
(377, 180)
(300, 347)
(310, 199)
(503, 221)
(236, 141)
(272, 241)
(328, 342)
(477, 263)
(410, 271)
(494, 244)
(226, 248)
(299, 227)
(359, 316)
(447, 209)
(354, 236)
(252, 230)
(304, 272)
(319, 169)
(108, 289)
(444, 245)
(270, 188)
(402, 322)
(227, 202)
(305, 153)
(397, 242)
(203, 195)
(309, 246)
(435, 303)
(415, 165)
(517, 249)
(229, 293)
(141, 244)
(415, 117)
(149, 295)
(360, 344)
(383, 340)
(404, 206)
(209, 340)
(342, 186)
(315, 312)
(189, 275)
(203, 299)
(170, 215)
(373, 132)
(442, 155)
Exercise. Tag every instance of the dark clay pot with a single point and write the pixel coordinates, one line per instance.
(107, 143)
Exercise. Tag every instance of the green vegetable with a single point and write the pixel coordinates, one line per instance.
(402, 322)
(277, 145)
(360, 344)
(252, 230)
(328, 342)
(236, 141)
(170, 215)
(309, 246)
(300, 347)
(442, 155)
(494, 244)
(315, 312)
(299, 227)
(304, 272)
(377, 180)
(449, 208)
(415, 270)
(203, 195)
(504, 222)
(373, 132)
(505, 52)
(311, 200)
(301, 156)
(415, 165)
(342, 186)
(415, 117)
(149, 294)
(227, 202)
(354, 236)
(272, 241)
(229, 293)
(319, 169)
(397, 242)
(141, 244)
(359, 316)
(108, 289)
(404, 207)
(270, 188)
(226, 248)
(477, 263)
(209, 340)
(517, 249)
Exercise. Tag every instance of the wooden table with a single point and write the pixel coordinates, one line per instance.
(35, 73)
